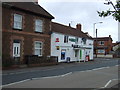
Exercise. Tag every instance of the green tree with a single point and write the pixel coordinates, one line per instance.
(115, 13)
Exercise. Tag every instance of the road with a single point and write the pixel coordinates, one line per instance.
(63, 69)
(96, 78)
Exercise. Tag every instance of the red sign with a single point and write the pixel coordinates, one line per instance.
(57, 40)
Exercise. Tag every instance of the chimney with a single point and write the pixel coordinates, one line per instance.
(110, 36)
(69, 25)
(78, 26)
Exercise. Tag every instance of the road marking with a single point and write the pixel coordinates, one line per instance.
(109, 83)
(36, 79)
(100, 68)
(66, 74)
(15, 83)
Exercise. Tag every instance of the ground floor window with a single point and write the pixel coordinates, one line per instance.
(101, 51)
(38, 48)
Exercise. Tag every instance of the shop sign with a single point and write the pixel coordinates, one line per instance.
(57, 47)
(72, 40)
(57, 40)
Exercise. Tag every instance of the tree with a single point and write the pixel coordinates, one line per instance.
(115, 13)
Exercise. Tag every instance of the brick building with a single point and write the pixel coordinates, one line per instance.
(103, 45)
(25, 30)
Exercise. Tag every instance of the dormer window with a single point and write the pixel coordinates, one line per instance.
(38, 25)
(17, 21)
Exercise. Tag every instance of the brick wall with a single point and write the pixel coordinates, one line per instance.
(27, 36)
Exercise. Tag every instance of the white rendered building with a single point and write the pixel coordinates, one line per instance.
(70, 44)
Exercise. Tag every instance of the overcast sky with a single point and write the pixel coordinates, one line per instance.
(84, 12)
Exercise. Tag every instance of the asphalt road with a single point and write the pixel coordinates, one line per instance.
(16, 76)
(105, 77)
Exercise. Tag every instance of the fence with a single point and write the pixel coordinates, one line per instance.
(28, 59)
(34, 59)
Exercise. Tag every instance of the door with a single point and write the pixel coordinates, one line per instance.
(63, 54)
(76, 54)
(16, 49)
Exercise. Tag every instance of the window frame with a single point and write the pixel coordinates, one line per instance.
(101, 42)
(66, 38)
(40, 25)
(17, 21)
(101, 51)
(40, 49)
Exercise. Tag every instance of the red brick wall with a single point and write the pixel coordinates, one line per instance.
(27, 36)
(107, 43)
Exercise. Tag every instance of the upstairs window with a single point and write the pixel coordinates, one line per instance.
(17, 21)
(66, 39)
(38, 48)
(76, 40)
(38, 25)
(101, 42)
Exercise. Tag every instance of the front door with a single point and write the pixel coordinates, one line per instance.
(16, 49)
(63, 54)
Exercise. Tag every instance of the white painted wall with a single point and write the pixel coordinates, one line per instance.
(70, 52)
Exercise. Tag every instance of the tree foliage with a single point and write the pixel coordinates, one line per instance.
(115, 13)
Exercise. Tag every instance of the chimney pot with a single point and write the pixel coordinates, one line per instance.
(78, 26)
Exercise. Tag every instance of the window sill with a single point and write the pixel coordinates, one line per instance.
(17, 29)
(39, 32)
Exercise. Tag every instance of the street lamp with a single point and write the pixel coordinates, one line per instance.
(96, 35)
(94, 27)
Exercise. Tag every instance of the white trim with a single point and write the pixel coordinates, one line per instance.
(38, 23)
(38, 48)
(17, 21)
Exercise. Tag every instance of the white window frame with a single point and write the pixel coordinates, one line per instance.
(36, 48)
(101, 42)
(17, 23)
(101, 51)
(38, 25)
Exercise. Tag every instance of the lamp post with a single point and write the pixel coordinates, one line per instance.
(96, 35)
(94, 27)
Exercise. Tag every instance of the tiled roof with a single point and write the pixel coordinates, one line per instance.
(103, 38)
(31, 7)
(59, 28)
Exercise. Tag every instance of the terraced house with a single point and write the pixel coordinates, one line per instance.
(25, 30)
(70, 44)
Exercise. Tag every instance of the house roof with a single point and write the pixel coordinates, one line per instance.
(31, 7)
(59, 28)
(103, 38)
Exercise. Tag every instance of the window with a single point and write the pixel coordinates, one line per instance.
(38, 25)
(101, 51)
(38, 48)
(17, 21)
(101, 42)
(76, 40)
(65, 39)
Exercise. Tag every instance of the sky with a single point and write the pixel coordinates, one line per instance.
(85, 13)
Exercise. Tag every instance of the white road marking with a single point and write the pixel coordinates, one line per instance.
(109, 83)
(15, 83)
(66, 74)
(100, 68)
